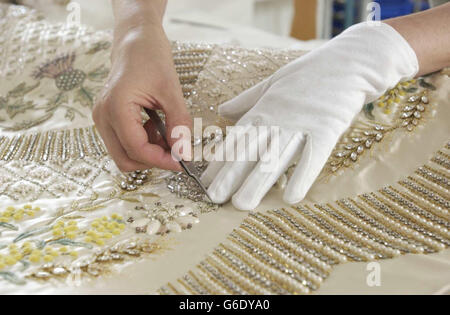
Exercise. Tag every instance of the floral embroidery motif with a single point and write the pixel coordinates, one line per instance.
(100, 263)
(410, 107)
(70, 233)
(393, 96)
(67, 79)
(57, 246)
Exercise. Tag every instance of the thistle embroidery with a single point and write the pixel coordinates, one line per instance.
(60, 69)
(73, 86)
(67, 78)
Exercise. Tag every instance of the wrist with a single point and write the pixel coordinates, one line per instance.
(138, 15)
(129, 33)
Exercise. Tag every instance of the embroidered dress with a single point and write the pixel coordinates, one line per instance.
(69, 218)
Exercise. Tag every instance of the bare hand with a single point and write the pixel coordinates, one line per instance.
(142, 75)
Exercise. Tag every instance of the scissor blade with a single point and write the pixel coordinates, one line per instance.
(188, 168)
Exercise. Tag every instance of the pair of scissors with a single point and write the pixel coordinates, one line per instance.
(188, 167)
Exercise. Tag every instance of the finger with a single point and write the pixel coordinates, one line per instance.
(238, 106)
(228, 180)
(211, 172)
(274, 162)
(218, 159)
(233, 173)
(134, 139)
(221, 150)
(175, 110)
(178, 123)
(312, 160)
(118, 154)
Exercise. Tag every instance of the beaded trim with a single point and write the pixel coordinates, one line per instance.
(293, 250)
(360, 138)
(189, 60)
(53, 145)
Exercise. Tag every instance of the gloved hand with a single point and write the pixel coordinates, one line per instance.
(313, 100)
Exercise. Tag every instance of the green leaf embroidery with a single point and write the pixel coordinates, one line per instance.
(98, 74)
(56, 101)
(19, 107)
(410, 90)
(3, 102)
(22, 89)
(11, 277)
(91, 208)
(32, 232)
(85, 97)
(98, 47)
(39, 244)
(73, 217)
(67, 242)
(149, 194)
(27, 124)
(70, 114)
(368, 109)
(426, 85)
(25, 265)
(9, 226)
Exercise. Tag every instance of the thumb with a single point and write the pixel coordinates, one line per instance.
(238, 106)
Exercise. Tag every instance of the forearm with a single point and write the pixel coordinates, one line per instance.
(428, 33)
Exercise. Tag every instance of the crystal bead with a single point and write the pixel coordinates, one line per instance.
(59, 271)
(379, 136)
(360, 149)
(413, 98)
(407, 114)
(420, 108)
(42, 275)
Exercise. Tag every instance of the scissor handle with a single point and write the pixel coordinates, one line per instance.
(154, 117)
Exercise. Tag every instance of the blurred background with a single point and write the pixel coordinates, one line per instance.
(302, 24)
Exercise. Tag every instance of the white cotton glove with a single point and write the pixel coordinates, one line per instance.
(313, 100)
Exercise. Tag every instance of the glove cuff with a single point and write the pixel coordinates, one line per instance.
(397, 59)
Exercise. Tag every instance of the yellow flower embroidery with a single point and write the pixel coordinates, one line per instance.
(13, 214)
(104, 228)
(394, 96)
(65, 230)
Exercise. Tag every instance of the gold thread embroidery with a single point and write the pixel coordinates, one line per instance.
(264, 250)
